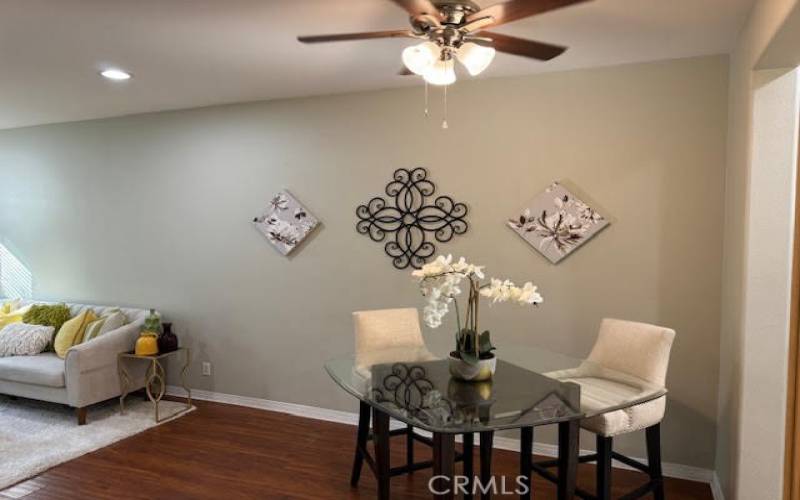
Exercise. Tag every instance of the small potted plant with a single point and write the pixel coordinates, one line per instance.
(147, 343)
(440, 282)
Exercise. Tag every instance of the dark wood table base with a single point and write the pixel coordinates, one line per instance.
(444, 483)
(379, 461)
(487, 444)
(567, 461)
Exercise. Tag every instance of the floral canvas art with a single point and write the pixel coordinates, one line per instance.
(556, 222)
(285, 222)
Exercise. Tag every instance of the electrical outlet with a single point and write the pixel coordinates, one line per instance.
(206, 368)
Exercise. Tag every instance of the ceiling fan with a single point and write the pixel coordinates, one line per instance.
(455, 30)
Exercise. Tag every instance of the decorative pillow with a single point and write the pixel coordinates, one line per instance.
(91, 316)
(71, 332)
(93, 328)
(13, 316)
(9, 306)
(47, 315)
(113, 321)
(20, 339)
(107, 323)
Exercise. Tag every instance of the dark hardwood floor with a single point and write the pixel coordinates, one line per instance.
(231, 452)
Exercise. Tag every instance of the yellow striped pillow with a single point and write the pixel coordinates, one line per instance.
(93, 328)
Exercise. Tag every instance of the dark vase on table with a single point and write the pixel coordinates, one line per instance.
(167, 341)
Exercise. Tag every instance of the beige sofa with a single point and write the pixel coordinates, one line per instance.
(87, 375)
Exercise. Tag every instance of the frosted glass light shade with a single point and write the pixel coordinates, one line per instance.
(442, 72)
(475, 58)
(115, 74)
(418, 58)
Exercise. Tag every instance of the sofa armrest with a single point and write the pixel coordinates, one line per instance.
(102, 351)
(91, 368)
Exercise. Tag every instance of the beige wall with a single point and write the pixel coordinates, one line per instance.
(155, 210)
(733, 467)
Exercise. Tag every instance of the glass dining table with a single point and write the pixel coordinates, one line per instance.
(531, 387)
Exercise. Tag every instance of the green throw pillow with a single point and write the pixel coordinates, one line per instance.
(47, 315)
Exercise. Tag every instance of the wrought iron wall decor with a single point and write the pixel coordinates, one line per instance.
(413, 221)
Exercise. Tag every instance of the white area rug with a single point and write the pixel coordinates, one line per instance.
(35, 436)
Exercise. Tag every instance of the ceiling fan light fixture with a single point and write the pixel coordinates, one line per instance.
(442, 72)
(419, 58)
(475, 58)
(115, 74)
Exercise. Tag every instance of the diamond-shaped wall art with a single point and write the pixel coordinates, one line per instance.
(285, 222)
(556, 223)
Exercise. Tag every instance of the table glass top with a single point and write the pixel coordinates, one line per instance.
(160, 355)
(531, 387)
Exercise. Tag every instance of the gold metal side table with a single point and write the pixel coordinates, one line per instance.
(155, 377)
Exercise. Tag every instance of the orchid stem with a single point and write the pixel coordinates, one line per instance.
(458, 321)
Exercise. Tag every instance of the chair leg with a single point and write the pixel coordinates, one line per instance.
(604, 447)
(380, 440)
(653, 436)
(410, 447)
(81, 414)
(525, 459)
(361, 442)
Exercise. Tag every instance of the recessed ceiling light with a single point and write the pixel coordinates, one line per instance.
(115, 74)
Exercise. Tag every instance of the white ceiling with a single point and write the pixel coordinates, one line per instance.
(188, 53)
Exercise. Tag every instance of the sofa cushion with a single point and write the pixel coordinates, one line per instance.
(630, 419)
(22, 339)
(43, 369)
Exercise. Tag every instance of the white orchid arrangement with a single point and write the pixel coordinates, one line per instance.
(440, 282)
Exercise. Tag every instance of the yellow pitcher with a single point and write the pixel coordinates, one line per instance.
(147, 344)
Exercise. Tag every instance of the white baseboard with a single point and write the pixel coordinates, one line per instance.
(678, 471)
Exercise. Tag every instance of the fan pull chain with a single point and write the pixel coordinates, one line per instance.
(426, 98)
(444, 121)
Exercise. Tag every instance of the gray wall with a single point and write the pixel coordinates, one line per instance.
(155, 210)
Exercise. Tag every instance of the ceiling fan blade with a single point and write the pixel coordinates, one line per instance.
(405, 72)
(344, 37)
(477, 24)
(520, 46)
(513, 10)
(419, 8)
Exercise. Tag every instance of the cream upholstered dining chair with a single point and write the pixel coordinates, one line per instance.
(625, 356)
(386, 336)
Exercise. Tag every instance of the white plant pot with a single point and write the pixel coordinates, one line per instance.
(461, 370)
